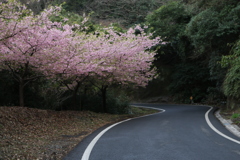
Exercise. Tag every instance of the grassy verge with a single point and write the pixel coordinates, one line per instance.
(27, 133)
(234, 115)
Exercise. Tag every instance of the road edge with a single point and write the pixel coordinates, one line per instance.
(227, 123)
(215, 129)
(90, 146)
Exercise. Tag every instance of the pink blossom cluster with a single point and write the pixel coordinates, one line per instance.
(34, 42)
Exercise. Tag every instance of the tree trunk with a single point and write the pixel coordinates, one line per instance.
(104, 98)
(83, 98)
(75, 107)
(21, 93)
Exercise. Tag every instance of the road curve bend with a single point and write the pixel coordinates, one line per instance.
(182, 132)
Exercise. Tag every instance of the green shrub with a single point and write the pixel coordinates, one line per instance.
(235, 115)
(117, 104)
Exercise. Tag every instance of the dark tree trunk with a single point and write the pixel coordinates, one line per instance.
(21, 79)
(21, 93)
(104, 98)
(83, 98)
(75, 107)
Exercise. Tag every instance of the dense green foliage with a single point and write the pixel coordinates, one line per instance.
(123, 12)
(188, 80)
(210, 32)
(168, 21)
(198, 34)
(231, 85)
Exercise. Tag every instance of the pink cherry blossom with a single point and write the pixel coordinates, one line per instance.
(34, 44)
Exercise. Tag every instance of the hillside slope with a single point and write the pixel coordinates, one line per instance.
(123, 12)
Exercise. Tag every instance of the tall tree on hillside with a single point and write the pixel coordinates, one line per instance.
(211, 32)
(231, 85)
(169, 22)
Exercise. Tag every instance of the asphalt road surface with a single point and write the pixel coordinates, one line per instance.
(180, 132)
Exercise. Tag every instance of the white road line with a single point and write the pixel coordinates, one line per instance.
(217, 131)
(89, 148)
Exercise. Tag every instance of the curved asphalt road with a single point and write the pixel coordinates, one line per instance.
(179, 133)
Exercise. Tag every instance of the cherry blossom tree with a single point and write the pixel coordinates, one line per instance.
(122, 58)
(108, 57)
(32, 46)
(9, 18)
(74, 65)
(30, 43)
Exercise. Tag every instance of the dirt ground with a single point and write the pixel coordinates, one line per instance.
(34, 134)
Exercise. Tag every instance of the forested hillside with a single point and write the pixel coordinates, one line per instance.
(199, 59)
(123, 12)
(202, 37)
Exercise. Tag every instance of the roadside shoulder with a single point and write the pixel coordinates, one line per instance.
(228, 124)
